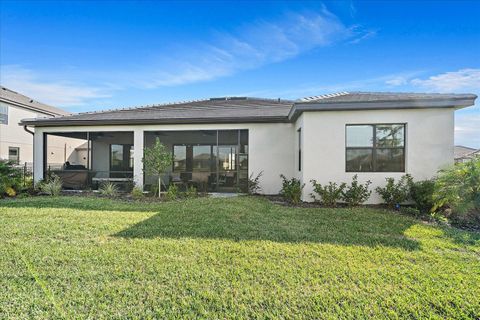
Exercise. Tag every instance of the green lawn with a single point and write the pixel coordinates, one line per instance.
(72, 257)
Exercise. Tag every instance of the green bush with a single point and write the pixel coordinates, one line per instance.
(329, 194)
(395, 193)
(458, 187)
(411, 211)
(291, 189)
(137, 193)
(52, 186)
(356, 193)
(108, 189)
(153, 190)
(10, 178)
(254, 183)
(172, 192)
(191, 192)
(421, 193)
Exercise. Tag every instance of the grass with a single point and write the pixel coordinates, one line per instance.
(73, 257)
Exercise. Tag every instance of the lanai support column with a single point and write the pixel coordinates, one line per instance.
(138, 140)
(38, 155)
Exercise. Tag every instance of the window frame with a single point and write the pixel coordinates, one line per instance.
(17, 149)
(127, 150)
(4, 118)
(374, 146)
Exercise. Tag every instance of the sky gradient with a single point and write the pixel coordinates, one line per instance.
(85, 56)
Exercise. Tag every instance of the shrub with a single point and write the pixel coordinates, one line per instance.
(458, 187)
(52, 186)
(411, 211)
(10, 192)
(153, 190)
(291, 189)
(191, 192)
(10, 178)
(137, 193)
(421, 193)
(356, 193)
(329, 194)
(108, 189)
(172, 192)
(395, 193)
(254, 183)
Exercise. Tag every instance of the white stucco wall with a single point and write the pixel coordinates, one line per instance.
(429, 144)
(271, 147)
(13, 135)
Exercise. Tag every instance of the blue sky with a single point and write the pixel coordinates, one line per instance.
(85, 56)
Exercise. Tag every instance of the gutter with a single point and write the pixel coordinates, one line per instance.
(53, 122)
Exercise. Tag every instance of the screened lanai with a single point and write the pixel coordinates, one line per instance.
(210, 160)
(91, 159)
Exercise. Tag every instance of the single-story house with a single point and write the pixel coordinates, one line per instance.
(218, 143)
(464, 154)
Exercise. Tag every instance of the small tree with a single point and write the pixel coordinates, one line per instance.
(157, 160)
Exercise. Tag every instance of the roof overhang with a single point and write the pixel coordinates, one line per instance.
(459, 102)
(53, 122)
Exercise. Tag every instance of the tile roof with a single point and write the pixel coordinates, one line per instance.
(462, 152)
(20, 100)
(226, 109)
(245, 109)
(380, 96)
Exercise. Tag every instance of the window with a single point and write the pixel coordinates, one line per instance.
(14, 154)
(299, 149)
(201, 158)
(375, 148)
(179, 158)
(3, 114)
(121, 157)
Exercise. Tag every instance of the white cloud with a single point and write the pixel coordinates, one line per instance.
(463, 79)
(249, 46)
(57, 93)
(252, 46)
(397, 81)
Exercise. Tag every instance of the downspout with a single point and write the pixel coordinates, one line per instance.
(25, 127)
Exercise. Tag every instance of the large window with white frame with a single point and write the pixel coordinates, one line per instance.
(375, 148)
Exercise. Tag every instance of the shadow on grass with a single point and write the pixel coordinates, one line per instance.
(241, 220)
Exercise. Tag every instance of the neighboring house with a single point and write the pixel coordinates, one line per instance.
(463, 154)
(218, 143)
(16, 144)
